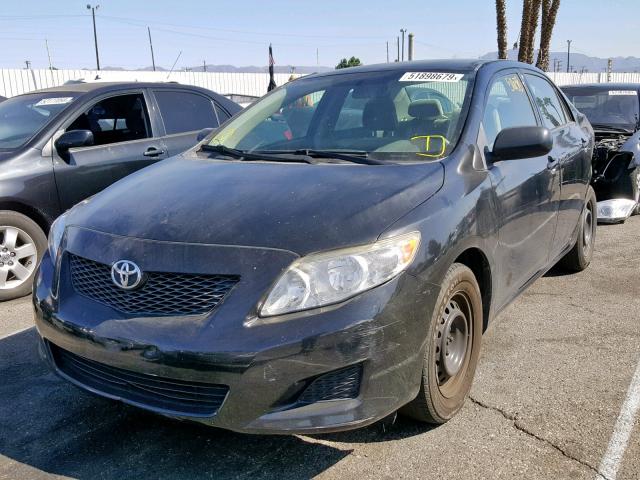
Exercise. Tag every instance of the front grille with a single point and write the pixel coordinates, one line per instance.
(161, 293)
(169, 395)
(336, 385)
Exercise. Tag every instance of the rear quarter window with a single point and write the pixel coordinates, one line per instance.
(185, 111)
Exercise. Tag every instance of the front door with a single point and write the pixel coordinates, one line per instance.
(124, 143)
(526, 190)
(571, 154)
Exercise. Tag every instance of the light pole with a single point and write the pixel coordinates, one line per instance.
(403, 31)
(568, 54)
(95, 35)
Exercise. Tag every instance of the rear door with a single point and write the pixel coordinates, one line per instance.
(526, 190)
(124, 143)
(570, 155)
(184, 114)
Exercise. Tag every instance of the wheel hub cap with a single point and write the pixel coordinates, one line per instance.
(454, 341)
(18, 257)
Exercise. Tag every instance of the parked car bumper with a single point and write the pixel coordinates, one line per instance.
(378, 335)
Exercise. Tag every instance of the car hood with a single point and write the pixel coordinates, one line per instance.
(297, 207)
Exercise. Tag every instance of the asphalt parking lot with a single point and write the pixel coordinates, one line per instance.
(554, 377)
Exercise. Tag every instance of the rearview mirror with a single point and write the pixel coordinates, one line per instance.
(73, 139)
(202, 134)
(522, 142)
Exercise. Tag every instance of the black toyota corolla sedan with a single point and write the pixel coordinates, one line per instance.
(327, 257)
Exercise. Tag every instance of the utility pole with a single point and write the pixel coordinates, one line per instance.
(204, 65)
(402, 31)
(387, 52)
(46, 44)
(609, 69)
(568, 54)
(28, 64)
(95, 34)
(398, 45)
(153, 60)
(410, 48)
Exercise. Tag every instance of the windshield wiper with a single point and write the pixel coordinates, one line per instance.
(353, 156)
(602, 126)
(254, 156)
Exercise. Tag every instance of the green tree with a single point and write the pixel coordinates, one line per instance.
(352, 62)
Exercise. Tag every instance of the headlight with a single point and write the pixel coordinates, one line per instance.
(55, 236)
(615, 210)
(326, 278)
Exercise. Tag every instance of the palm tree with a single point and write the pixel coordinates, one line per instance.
(549, 13)
(524, 30)
(534, 14)
(530, 14)
(501, 21)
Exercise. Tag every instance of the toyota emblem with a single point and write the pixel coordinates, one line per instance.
(126, 274)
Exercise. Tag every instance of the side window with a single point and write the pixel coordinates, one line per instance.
(185, 111)
(507, 106)
(116, 119)
(546, 98)
(222, 115)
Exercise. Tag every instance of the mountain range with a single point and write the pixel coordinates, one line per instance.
(579, 62)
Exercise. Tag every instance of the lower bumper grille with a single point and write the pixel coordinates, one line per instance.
(336, 385)
(167, 395)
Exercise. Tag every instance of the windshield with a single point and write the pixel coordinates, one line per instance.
(385, 115)
(23, 116)
(618, 108)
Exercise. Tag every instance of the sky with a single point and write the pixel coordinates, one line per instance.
(302, 32)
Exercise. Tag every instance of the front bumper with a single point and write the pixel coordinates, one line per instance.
(265, 365)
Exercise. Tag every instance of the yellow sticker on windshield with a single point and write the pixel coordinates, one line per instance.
(431, 142)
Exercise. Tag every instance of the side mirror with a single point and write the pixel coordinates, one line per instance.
(522, 142)
(73, 139)
(204, 133)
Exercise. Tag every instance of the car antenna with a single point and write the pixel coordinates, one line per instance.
(174, 64)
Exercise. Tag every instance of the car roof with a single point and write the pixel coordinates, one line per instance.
(604, 86)
(455, 65)
(98, 87)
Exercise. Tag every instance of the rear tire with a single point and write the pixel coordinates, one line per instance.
(22, 245)
(579, 257)
(454, 337)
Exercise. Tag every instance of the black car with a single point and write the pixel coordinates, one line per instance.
(614, 111)
(61, 145)
(330, 255)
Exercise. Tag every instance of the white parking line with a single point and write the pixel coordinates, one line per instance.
(10, 334)
(622, 432)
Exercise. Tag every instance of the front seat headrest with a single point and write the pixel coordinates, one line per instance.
(380, 114)
(428, 108)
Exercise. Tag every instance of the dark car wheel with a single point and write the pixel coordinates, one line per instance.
(452, 351)
(22, 244)
(579, 257)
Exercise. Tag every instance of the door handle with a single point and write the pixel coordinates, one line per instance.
(153, 152)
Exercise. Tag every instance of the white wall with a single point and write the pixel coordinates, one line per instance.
(15, 81)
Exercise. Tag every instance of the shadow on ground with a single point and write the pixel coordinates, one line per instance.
(53, 427)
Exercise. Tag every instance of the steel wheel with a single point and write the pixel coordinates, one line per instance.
(453, 343)
(18, 257)
(587, 229)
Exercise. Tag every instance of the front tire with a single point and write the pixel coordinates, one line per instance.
(22, 245)
(453, 347)
(579, 257)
